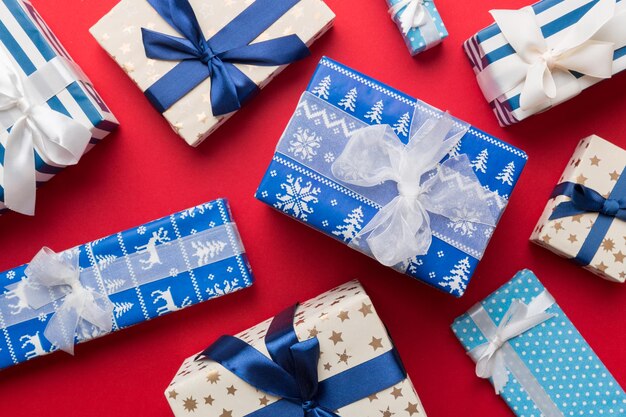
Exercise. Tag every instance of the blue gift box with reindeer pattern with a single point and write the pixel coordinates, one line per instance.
(154, 269)
(300, 182)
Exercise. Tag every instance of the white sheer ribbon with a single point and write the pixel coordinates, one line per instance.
(496, 358)
(401, 229)
(33, 125)
(542, 68)
(412, 14)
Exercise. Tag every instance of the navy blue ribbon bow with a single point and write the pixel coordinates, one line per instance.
(213, 58)
(291, 373)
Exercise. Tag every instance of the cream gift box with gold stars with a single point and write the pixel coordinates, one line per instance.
(595, 239)
(120, 34)
(350, 334)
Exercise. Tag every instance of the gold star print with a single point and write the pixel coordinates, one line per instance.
(206, 97)
(201, 117)
(264, 400)
(327, 366)
(546, 239)
(209, 400)
(581, 179)
(602, 267)
(213, 377)
(595, 160)
(336, 337)
(172, 394)
(376, 343)
(622, 274)
(313, 332)
(387, 412)
(226, 413)
(573, 238)
(614, 176)
(619, 257)
(343, 357)
(125, 48)
(411, 409)
(396, 392)
(577, 218)
(343, 315)
(190, 404)
(558, 226)
(366, 309)
(608, 245)
(372, 397)
(231, 390)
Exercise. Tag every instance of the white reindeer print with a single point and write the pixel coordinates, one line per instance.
(170, 305)
(19, 294)
(35, 342)
(160, 236)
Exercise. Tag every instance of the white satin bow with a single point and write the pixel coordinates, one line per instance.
(414, 14)
(58, 139)
(401, 229)
(546, 71)
(490, 357)
(58, 275)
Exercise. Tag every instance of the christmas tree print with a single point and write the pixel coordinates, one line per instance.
(459, 275)
(376, 112)
(114, 285)
(105, 260)
(207, 250)
(119, 309)
(456, 150)
(323, 88)
(349, 101)
(480, 162)
(506, 175)
(401, 127)
(351, 226)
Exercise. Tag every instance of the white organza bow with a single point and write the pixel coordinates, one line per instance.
(58, 139)
(546, 72)
(519, 318)
(410, 13)
(401, 229)
(55, 274)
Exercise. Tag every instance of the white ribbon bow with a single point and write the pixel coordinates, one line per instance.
(58, 139)
(58, 275)
(414, 14)
(490, 358)
(546, 71)
(401, 229)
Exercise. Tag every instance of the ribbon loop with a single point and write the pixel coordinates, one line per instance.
(587, 200)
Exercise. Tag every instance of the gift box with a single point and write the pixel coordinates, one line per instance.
(330, 356)
(197, 85)
(330, 174)
(50, 114)
(539, 56)
(419, 22)
(537, 361)
(585, 218)
(120, 280)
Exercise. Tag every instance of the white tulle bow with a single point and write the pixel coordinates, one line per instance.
(546, 72)
(401, 229)
(410, 13)
(58, 139)
(491, 361)
(57, 275)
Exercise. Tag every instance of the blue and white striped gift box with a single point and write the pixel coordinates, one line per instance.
(26, 38)
(554, 17)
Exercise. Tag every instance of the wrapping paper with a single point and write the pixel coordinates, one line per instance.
(339, 101)
(597, 164)
(29, 43)
(119, 33)
(154, 269)
(349, 332)
(556, 354)
(554, 17)
(416, 39)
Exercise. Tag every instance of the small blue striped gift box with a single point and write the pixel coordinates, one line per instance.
(29, 45)
(419, 22)
(153, 269)
(551, 370)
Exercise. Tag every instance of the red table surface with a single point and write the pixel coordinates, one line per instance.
(144, 171)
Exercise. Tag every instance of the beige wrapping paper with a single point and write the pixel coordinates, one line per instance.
(349, 333)
(119, 33)
(597, 164)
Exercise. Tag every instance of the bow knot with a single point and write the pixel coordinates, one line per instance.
(550, 58)
(610, 207)
(409, 189)
(586, 200)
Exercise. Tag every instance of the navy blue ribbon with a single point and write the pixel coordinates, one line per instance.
(585, 200)
(291, 373)
(213, 58)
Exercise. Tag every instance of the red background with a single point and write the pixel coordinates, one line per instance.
(144, 171)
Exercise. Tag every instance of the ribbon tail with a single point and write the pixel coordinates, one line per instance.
(565, 209)
(539, 86)
(229, 88)
(61, 329)
(500, 375)
(19, 169)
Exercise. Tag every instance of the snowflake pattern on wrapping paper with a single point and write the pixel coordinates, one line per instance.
(141, 230)
(305, 144)
(297, 199)
(11, 275)
(329, 157)
(461, 225)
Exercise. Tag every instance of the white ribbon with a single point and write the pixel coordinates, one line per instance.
(544, 71)
(56, 276)
(34, 126)
(401, 229)
(413, 16)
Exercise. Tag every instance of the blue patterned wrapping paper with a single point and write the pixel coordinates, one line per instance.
(556, 354)
(191, 284)
(415, 40)
(554, 16)
(29, 41)
(326, 205)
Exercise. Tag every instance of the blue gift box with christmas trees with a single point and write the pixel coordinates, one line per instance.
(147, 271)
(300, 181)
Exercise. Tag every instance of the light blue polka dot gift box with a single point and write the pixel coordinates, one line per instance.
(419, 22)
(536, 359)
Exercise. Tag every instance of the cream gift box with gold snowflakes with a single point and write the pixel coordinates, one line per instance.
(357, 365)
(244, 39)
(585, 219)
